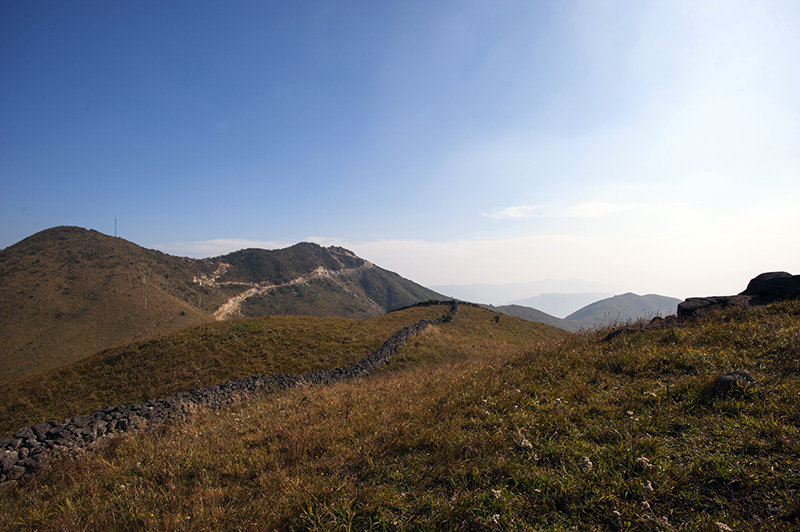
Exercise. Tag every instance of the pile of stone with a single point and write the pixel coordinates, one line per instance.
(32, 447)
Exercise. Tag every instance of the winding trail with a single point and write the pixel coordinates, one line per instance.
(232, 307)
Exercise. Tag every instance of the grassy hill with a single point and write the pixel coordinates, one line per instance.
(283, 265)
(623, 308)
(194, 358)
(68, 292)
(362, 294)
(532, 314)
(487, 423)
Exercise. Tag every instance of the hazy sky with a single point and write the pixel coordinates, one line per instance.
(643, 146)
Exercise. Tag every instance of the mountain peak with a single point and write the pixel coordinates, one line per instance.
(70, 291)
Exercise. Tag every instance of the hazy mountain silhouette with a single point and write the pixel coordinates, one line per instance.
(559, 304)
(623, 308)
(608, 311)
(513, 293)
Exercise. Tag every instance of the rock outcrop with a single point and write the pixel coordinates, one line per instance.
(698, 306)
(774, 285)
(762, 289)
(32, 447)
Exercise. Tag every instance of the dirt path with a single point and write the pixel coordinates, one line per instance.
(211, 279)
(232, 307)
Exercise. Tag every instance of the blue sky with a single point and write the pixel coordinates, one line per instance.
(644, 146)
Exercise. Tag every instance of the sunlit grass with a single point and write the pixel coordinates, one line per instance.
(198, 357)
(476, 425)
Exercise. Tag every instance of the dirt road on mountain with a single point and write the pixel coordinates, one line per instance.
(232, 307)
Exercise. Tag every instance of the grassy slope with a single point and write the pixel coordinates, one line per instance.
(68, 292)
(363, 295)
(197, 357)
(533, 314)
(319, 297)
(367, 293)
(478, 425)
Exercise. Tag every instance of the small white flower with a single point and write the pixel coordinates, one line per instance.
(647, 486)
(495, 519)
(586, 464)
(496, 493)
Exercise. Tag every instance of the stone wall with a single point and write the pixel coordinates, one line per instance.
(32, 447)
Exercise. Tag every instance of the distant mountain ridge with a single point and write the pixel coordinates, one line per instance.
(561, 305)
(608, 311)
(532, 314)
(625, 307)
(514, 293)
(67, 292)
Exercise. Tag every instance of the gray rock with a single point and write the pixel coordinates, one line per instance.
(81, 421)
(40, 430)
(700, 306)
(56, 433)
(778, 285)
(725, 384)
(33, 462)
(14, 472)
(24, 433)
(8, 459)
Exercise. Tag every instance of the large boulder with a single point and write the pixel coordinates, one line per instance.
(774, 285)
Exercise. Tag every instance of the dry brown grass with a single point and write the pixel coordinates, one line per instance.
(195, 358)
(476, 425)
